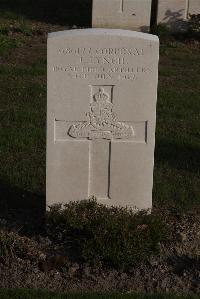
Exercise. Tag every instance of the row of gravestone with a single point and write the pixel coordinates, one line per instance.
(101, 115)
(136, 14)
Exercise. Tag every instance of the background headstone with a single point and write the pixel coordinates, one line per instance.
(194, 7)
(102, 92)
(124, 14)
(173, 13)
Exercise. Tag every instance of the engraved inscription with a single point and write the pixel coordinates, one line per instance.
(102, 51)
(98, 73)
(103, 64)
(102, 122)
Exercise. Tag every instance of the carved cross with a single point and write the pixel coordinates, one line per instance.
(187, 9)
(121, 6)
(101, 130)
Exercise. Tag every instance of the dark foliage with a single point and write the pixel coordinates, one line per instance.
(112, 236)
(194, 25)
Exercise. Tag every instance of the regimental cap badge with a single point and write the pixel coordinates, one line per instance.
(101, 121)
(101, 95)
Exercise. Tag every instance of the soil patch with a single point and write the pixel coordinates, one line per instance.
(44, 266)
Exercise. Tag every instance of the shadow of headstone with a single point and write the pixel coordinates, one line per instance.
(175, 21)
(154, 12)
(62, 12)
(179, 156)
(145, 29)
(21, 210)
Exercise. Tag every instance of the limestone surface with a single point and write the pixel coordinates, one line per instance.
(194, 7)
(102, 93)
(175, 13)
(124, 14)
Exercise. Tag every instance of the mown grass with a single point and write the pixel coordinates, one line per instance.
(23, 115)
(177, 159)
(23, 108)
(22, 130)
(32, 294)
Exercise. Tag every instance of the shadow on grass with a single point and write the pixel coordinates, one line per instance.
(183, 263)
(180, 156)
(63, 12)
(23, 211)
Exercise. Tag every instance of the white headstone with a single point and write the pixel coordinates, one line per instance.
(124, 14)
(194, 7)
(102, 93)
(173, 13)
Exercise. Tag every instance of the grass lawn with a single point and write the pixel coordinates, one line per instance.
(28, 294)
(177, 159)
